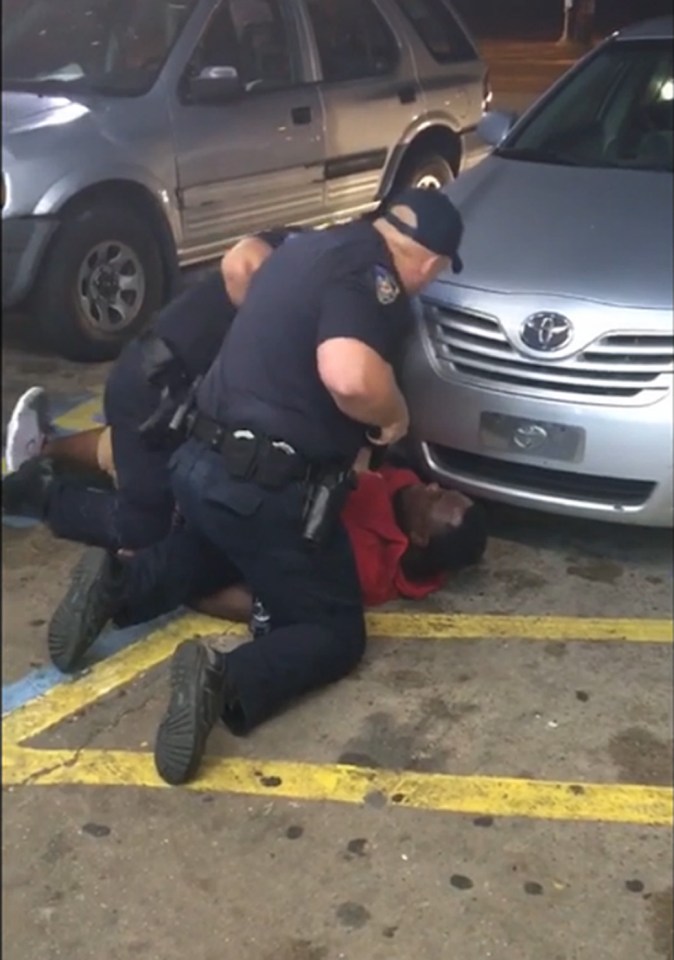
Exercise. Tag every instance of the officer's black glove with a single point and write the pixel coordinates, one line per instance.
(161, 366)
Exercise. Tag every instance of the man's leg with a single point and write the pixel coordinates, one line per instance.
(230, 603)
(79, 451)
(31, 434)
(133, 590)
(136, 514)
(313, 598)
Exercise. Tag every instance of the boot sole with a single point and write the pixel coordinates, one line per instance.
(182, 734)
(83, 612)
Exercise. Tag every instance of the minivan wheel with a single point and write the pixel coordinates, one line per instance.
(101, 282)
(429, 171)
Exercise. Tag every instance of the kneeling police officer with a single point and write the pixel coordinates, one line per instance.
(305, 376)
(145, 399)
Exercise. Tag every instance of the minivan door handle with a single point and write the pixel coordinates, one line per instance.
(407, 94)
(301, 115)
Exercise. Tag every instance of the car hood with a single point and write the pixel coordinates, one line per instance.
(23, 111)
(593, 234)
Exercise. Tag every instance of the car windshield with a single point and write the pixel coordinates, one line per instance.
(616, 111)
(116, 47)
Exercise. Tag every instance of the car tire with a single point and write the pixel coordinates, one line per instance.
(430, 170)
(101, 282)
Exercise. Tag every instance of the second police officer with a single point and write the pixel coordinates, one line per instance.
(145, 390)
(305, 380)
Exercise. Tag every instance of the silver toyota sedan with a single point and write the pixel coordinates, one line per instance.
(542, 375)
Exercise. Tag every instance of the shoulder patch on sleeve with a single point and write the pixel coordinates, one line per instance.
(386, 285)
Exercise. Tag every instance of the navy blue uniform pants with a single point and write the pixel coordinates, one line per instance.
(236, 531)
(139, 511)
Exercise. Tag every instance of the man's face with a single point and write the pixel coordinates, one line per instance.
(429, 510)
(423, 271)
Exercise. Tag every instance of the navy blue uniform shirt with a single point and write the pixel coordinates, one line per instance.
(318, 286)
(195, 324)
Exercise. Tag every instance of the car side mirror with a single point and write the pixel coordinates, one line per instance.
(495, 126)
(215, 85)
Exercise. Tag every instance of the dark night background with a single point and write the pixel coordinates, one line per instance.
(542, 19)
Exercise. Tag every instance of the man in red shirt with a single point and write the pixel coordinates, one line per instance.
(406, 535)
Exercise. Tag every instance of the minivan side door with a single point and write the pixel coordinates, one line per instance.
(370, 95)
(256, 159)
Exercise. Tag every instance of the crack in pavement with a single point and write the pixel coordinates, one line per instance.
(38, 775)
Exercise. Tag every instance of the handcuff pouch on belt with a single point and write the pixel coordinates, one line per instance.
(249, 455)
(274, 464)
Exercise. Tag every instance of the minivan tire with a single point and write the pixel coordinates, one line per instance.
(93, 247)
(426, 169)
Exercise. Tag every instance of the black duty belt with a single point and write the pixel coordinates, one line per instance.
(250, 455)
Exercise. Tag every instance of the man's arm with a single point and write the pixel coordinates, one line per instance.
(357, 336)
(361, 383)
(239, 265)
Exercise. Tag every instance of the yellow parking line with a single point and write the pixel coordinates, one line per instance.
(497, 796)
(80, 417)
(437, 626)
(67, 698)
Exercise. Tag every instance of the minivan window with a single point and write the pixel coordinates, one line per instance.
(117, 47)
(615, 111)
(353, 39)
(438, 29)
(251, 36)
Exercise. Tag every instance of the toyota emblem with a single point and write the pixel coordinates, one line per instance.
(530, 437)
(546, 332)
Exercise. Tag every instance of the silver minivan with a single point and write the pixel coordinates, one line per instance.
(141, 136)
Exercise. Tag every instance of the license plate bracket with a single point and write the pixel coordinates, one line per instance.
(525, 437)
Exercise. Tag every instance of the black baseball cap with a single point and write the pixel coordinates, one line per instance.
(439, 224)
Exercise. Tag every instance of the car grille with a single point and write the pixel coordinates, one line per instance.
(617, 365)
(559, 483)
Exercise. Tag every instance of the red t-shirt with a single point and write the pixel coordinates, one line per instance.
(377, 540)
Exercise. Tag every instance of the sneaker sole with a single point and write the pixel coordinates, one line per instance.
(183, 731)
(37, 397)
(82, 614)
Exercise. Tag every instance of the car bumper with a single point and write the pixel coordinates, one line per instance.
(24, 241)
(623, 476)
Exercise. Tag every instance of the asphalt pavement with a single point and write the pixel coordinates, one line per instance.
(493, 782)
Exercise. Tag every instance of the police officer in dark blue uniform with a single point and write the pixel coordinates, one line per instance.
(281, 416)
(147, 384)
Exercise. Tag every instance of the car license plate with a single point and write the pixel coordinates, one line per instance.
(549, 441)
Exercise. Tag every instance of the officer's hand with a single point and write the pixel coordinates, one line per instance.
(387, 436)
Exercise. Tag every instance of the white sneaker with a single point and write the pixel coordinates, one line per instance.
(28, 428)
